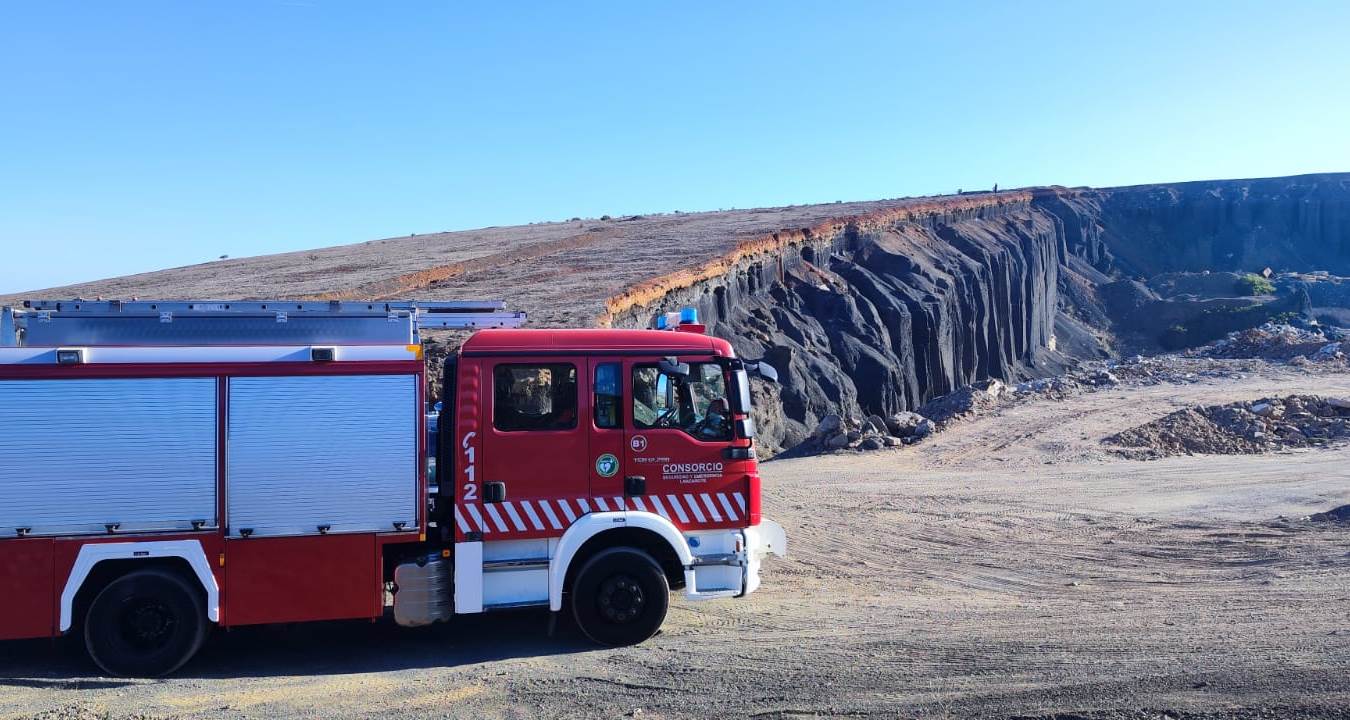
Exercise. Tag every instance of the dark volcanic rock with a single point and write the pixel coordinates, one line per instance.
(884, 312)
(1298, 222)
(883, 316)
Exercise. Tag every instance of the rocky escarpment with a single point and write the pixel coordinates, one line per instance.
(1288, 223)
(881, 312)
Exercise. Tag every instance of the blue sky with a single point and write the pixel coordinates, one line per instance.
(145, 134)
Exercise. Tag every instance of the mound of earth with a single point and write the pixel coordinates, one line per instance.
(1278, 341)
(1240, 428)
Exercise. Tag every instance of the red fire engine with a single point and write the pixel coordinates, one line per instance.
(166, 467)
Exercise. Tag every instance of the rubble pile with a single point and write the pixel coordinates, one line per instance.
(971, 400)
(1259, 426)
(1278, 341)
(837, 432)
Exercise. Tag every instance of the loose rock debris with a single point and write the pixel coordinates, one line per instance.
(1242, 428)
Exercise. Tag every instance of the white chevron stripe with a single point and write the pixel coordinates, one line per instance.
(515, 516)
(726, 505)
(693, 506)
(584, 505)
(548, 512)
(712, 508)
(740, 500)
(618, 503)
(459, 520)
(679, 509)
(477, 518)
(496, 517)
(600, 503)
(531, 514)
(640, 505)
(567, 510)
(660, 509)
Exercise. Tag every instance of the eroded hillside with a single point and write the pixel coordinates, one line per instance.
(868, 307)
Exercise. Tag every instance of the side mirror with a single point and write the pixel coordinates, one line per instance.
(765, 371)
(672, 366)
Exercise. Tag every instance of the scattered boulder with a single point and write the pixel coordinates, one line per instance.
(836, 432)
(902, 424)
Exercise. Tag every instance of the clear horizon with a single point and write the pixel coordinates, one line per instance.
(155, 135)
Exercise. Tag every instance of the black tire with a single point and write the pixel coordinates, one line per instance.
(145, 624)
(620, 597)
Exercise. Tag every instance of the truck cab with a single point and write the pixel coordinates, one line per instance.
(599, 469)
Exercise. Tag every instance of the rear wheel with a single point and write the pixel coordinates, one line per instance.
(620, 597)
(144, 624)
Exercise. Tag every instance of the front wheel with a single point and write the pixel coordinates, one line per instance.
(620, 597)
(144, 624)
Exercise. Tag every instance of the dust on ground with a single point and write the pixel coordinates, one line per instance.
(1011, 566)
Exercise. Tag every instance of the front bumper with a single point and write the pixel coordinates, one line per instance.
(729, 565)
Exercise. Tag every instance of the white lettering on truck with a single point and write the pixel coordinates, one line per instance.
(681, 468)
(471, 487)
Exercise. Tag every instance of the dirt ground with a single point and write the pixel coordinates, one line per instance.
(1012, 567)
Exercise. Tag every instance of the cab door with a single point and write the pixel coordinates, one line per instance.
(535, 447)
(607, 463)
(679, 431)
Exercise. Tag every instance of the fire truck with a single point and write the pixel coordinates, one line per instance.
(167, 467)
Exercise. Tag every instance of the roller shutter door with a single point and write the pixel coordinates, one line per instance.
(334, 451)
(78, 455)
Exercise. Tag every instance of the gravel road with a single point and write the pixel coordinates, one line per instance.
(1012, 567)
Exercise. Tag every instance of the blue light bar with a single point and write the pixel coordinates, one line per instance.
(689, 316)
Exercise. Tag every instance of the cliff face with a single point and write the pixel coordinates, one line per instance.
(884, 311)
(1292, 223)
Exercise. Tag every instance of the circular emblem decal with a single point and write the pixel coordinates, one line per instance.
(638, 443)
(607, 465)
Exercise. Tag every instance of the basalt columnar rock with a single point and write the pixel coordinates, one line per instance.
(884, 311)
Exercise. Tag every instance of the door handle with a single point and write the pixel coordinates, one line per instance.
(494, 492)
(635, 485)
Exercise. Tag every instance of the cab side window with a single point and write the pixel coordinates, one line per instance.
(695, 403)
(534, 396)
(608, 398)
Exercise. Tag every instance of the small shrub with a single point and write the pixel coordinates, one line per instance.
(1253, 284)
(606, 217)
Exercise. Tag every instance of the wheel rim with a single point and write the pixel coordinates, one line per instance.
(621, 599)
(147, 624)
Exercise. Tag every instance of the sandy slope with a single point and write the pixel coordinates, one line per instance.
(562, 272)
(1009, 568)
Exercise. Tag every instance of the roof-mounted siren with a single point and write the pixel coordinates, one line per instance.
(684, 320)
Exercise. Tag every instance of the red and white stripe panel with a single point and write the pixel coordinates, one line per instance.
(552, 516)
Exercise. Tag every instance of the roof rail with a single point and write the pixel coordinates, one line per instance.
(54, 323)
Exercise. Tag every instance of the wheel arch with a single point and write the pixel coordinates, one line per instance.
(648, 532)
(98, 564)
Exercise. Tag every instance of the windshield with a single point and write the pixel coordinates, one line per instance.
(696, 403)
